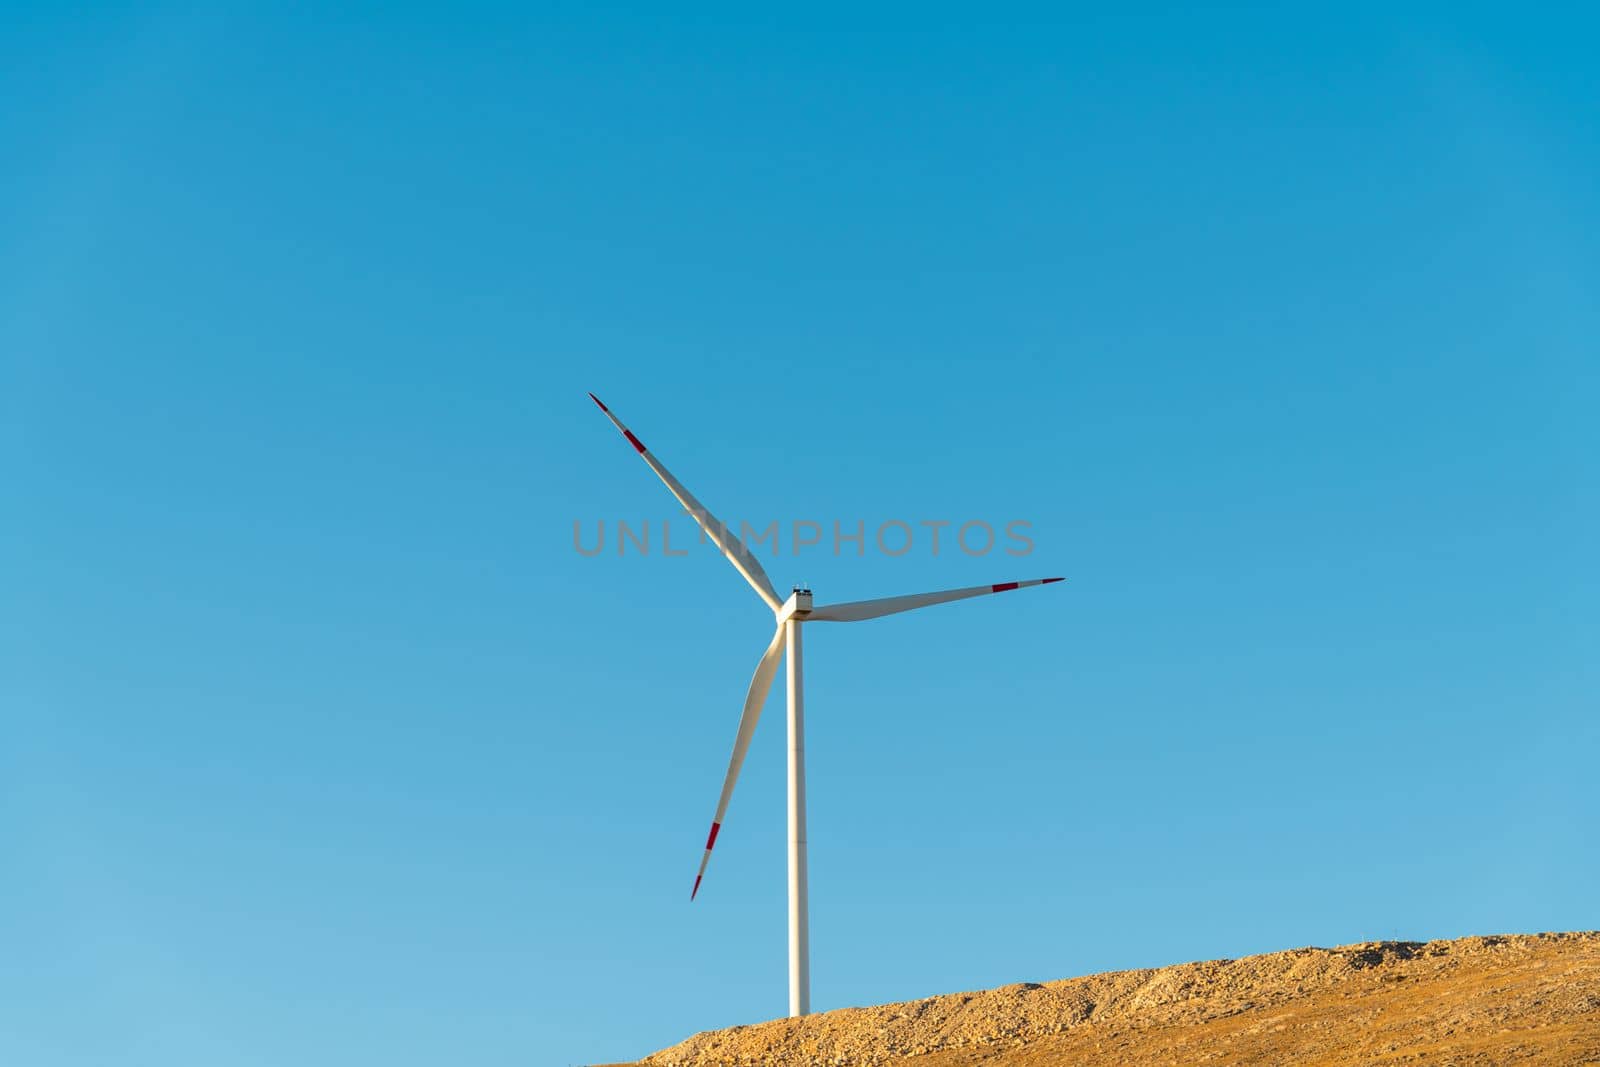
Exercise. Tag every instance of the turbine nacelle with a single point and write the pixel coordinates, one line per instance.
(797, 607)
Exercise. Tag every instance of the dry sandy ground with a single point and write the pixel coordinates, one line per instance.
(1479, 1000)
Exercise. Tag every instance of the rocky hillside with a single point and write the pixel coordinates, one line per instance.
(1478, 1000)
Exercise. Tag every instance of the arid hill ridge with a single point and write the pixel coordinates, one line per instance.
(1477, 1000)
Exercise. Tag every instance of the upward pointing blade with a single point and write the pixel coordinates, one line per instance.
(728, 542)
(856, 610)
(766, 670)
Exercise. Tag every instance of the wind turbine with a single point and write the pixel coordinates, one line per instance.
(791, 614)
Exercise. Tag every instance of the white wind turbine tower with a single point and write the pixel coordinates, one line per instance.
(790, 615)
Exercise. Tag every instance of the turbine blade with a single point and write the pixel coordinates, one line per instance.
(729, 543)
(766, 670)
(857, 610)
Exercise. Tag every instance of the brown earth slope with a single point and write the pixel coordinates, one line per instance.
(1478, 1000)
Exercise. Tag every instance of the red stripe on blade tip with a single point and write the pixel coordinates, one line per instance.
(696, 888)
(712, 840)
(634, 440)
(1003, 587)
(597, 401)
(1047, 581)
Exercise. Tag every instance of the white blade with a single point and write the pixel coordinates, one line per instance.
(857, 610)
(720, 535)
(766, 670)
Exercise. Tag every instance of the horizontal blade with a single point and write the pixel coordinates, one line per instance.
(857, 610)
(766, 670)
(728, 542)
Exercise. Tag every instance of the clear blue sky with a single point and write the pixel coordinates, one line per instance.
(322, 745)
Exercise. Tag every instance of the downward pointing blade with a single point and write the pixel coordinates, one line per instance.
(766, 670)
(729, 543)
(856, 610)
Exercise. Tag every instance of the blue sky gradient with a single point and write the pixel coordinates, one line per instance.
(323, 745)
